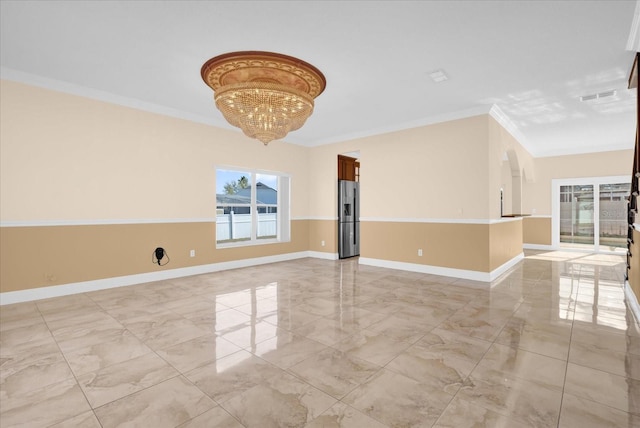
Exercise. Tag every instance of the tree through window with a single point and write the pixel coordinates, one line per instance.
(250, 207)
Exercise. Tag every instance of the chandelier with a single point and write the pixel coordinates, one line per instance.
(265, 94)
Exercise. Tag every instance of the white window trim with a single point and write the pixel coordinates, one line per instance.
(283, 226)
(556, 183)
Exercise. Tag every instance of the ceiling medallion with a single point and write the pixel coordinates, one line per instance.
(265, 94)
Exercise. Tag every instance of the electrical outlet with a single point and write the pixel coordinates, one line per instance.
(322, 243)
(192, 253)
(420, 252)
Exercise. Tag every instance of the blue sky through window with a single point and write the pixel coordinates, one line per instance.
(224, 176)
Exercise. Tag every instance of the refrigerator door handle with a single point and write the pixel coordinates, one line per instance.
(355, 205)
(353, 225)
(355, 214)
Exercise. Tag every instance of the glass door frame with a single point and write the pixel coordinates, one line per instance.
(556, 183)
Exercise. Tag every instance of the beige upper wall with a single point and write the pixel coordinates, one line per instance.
(494, 165)
(65, 157)
(323, 180)
(537, 194)
(506, 186)
(507, 158)
(437, 171)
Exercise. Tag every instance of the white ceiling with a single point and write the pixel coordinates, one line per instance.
(531, 59)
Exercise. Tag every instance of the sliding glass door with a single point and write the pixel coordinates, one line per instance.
(613, 215)
(576, 216)
(590, 213)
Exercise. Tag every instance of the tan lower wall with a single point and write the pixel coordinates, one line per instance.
(456, 246)
(505, 242)
(33, 257)
(323, 230)
(634, 273)
(536, 230)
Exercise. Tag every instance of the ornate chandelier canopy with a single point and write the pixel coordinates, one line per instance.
(265, 94)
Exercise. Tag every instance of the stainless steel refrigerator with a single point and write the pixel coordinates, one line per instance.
(348, 218)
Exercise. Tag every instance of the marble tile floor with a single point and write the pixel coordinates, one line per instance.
(318, 343)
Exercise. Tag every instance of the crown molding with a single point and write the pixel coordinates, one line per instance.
(430, 120)
(104, 96)
(500, 117)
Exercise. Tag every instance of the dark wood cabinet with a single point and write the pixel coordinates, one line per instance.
(348, 168)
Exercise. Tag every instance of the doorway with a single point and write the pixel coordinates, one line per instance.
(590, 213)
(348, 207)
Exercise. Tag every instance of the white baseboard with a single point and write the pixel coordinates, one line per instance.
(632, 301)
(438, 270)
(538, 247)
(121, 281)
(322, 255)
(505, 267)
(39, 293)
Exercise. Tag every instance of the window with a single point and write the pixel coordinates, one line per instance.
(590, 213)
(252, 207)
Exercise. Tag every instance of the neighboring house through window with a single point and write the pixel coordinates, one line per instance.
(248, 213)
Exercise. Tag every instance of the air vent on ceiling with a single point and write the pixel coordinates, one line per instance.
(606, 94)
(438, 76)
(597, 96)
(588, 97)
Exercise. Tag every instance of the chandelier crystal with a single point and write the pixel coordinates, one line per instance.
(265, 94)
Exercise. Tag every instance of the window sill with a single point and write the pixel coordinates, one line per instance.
(222, 246)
